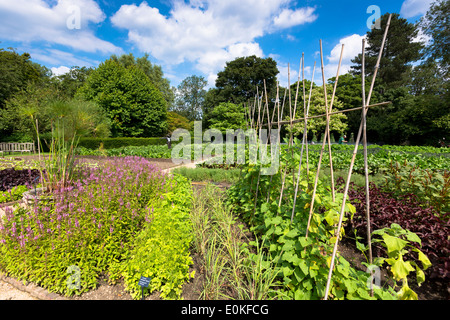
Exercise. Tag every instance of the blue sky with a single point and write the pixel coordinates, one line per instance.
(194, 37)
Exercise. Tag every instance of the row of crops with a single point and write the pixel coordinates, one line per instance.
(410, 221)
(379, 157)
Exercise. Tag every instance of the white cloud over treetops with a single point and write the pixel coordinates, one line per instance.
(207, 33)
(413, 8)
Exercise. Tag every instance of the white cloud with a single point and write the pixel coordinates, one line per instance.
(289, 18)
(352, 47)
(35, 20)
(413, 8)
(60, 70)
(57, 57)
(207, 32)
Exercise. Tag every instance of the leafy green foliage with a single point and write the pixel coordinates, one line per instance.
(111, 143)
(400, 50)
(134, 106)
(93, 225)
(161, 250)
(140, 151)
(302, 263)
(41, 103)
(381, 157)
(432, 188)
(238, 81)
(152, 71)
(12, 195)
(15, 72)
(435, 24)
(317, 125)
(397, 241)
(190, 96)
(177, 121)
(227, 116)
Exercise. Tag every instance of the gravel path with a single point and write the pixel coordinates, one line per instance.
(8, 292)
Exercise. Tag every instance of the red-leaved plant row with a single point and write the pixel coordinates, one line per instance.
(406, 211)
(10, 178)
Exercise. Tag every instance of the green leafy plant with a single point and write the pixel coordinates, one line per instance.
(60, 164)
(161, 250)
(397, 242)
(431, 187)
(93, 225)
(12, 195)
(301, 262)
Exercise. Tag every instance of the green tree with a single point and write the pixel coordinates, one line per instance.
(237, 83)
(177, 121)
(227, 115)
(152, 71)
(42, 103)
(190, 96)
(317, 126)
(15, 72)
(69, 82)
(435, 23)
(134, 106)
(15, 123)
(400, 51)
(212, 99)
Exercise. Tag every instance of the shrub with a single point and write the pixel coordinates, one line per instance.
(432, 188)
(111, 143)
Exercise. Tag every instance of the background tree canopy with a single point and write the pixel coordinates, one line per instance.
(130, 97)
(227, 115)
(238, 83)
(190, 96)
(152, 71)
(134, 106)
(15, 73)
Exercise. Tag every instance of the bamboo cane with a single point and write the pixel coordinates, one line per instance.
(366, 167)
(328, 131)
(277, 106)
(259, 173)
(38, 141)
(290, 106)
(305, 135)
(306, 110)
(311, 208)
(347, 184)
(268, 113)
(289, 147)
(337, 112)
(306, 118)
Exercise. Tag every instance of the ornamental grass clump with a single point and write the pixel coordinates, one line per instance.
(91, 224)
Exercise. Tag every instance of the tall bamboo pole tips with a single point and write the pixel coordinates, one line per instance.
(311, 207)
(347, 184)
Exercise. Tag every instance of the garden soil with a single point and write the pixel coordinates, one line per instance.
(12, 289)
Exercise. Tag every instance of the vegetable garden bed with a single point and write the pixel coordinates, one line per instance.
(107, 283)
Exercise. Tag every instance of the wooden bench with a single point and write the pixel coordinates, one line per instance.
(13, 147)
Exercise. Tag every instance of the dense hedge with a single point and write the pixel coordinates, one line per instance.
(111, 143)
